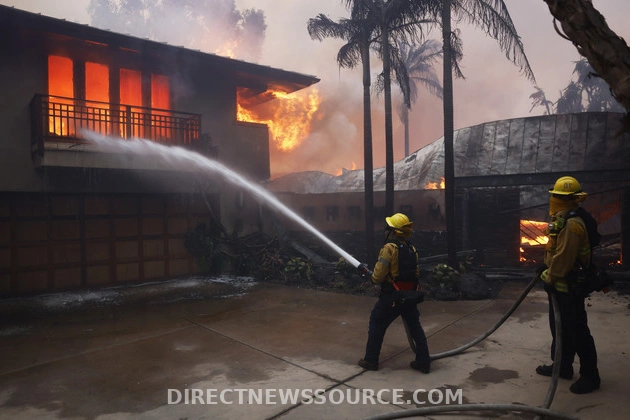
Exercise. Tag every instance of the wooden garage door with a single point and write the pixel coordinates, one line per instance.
(59, 242)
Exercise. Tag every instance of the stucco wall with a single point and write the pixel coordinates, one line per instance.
(22, 73)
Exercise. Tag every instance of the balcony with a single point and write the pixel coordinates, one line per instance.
(57, 124)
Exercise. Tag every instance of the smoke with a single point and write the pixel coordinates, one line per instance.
(213, 26)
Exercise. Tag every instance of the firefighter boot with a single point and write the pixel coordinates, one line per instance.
(368, 365)
(547, 370)
(417, 366)
(585, 384)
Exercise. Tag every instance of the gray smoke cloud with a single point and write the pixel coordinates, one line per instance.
(214, 26)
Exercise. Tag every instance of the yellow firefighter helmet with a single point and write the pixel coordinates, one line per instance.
(566, 185)
(398, 221)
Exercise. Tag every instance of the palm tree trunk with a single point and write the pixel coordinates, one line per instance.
(608, 54)
(389, 135)
(405, 118)
(449, 166)
(368, 163)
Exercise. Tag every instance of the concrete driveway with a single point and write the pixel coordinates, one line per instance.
(233, 349)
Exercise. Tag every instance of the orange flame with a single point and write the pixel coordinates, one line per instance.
(228, 49)
(533, 232)
(539, 240)
(340, 170)
(435, 185)
(289, 118)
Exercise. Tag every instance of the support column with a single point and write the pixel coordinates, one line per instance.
(625, 227)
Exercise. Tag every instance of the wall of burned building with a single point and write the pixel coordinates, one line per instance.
(341, 218)
(211, 92)
(488, 220)
(491, 225)
(344, 211)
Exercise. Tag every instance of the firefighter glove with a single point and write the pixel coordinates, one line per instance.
(544, 276)
(364, 271)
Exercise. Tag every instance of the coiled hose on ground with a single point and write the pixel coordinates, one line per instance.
(539, 411)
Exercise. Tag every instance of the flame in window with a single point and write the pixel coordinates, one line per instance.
(131, 99)
(60, 83)
(288, 116)
(160, 99)
(533, 236)
(95, 111)
(533, 232)
(96, 116)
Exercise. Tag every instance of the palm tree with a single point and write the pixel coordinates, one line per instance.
(372, 22)
(412, 64)
(401, 17)
(357, 32)
(397, 19)
(594, 93)
(540, 99)
(394, 20)
(588, 93)
(418, 62)
(570, 99)
(449, 162)
(608, 53)
(494, 19)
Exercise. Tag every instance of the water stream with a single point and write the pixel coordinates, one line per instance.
(178, 157)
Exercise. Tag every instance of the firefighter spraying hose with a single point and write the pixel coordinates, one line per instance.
(396, 274)
(364, 270)
(390, 266)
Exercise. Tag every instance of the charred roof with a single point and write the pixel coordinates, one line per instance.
(514, 152)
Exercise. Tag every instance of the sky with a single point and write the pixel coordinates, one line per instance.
(494, 88)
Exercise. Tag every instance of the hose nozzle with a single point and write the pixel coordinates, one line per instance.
(364, 270)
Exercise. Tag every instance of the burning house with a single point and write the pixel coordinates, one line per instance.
(71, 216)
(503, 170)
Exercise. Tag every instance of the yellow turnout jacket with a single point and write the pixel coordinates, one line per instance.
(566, 251)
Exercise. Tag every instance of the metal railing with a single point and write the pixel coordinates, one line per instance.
(59, 119)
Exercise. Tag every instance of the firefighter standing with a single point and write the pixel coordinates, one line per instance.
(387, 309)
(568, 249)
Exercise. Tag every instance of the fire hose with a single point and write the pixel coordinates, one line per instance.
(544, 411)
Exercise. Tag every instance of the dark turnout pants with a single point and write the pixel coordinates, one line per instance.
(576, 336)
(383, 314)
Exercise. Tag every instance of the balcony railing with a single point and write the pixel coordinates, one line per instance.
(61, 120)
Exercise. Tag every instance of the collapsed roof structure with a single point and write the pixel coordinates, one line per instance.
(505, 168)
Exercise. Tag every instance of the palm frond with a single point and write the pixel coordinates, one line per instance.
(493, 18)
